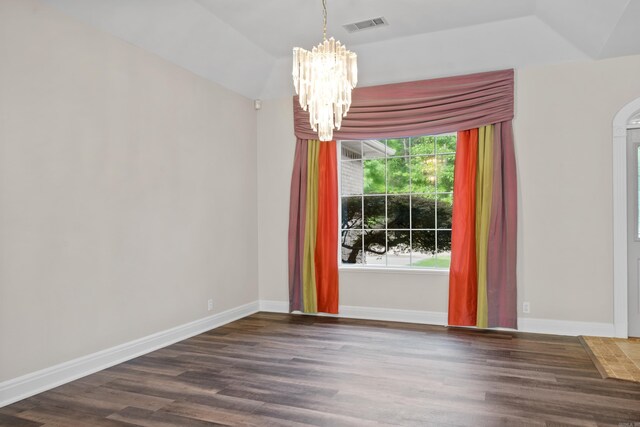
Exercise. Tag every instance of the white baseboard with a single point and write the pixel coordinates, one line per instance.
(367, 313)
(565, 327)
(525, 324)
(54, 376)
(409, 316)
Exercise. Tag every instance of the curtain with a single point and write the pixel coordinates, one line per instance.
(313, 228)
(501, 248)
(482, 278)
(463, 278)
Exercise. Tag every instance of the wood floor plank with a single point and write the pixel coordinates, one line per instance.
(287, 370)
(10, 420)
(143, 417)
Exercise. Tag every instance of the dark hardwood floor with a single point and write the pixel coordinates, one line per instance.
(284, 370)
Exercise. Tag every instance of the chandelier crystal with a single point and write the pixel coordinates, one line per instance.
(323, 79)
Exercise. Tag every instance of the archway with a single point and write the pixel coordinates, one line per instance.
(620, 304)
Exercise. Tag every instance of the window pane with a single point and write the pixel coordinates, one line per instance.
(446, 143)
(399, 252)
(398, 147)
(445, 210)
(374, 176)
(351, 242)
(423, 174)
(443, 257)
(375, 247)
(398, 175)
(422, 145)
(398, 213)
(423, 248)
(352, 212)
(351, 178)
(423, 210)
(445, 172)
(374, 211)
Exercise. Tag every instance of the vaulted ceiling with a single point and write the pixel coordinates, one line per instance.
(245, 45)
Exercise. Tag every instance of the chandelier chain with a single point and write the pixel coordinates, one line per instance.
(324, 15)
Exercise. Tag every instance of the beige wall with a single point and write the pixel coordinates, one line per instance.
(563, 148)
(564, 153)
(127, 192)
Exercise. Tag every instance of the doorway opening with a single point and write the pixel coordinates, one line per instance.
(627, 119)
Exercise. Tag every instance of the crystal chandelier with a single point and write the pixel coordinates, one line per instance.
(323, 79)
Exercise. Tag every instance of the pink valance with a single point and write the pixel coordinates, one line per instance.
(422, 107)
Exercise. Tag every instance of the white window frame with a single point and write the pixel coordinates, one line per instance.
(410, 269)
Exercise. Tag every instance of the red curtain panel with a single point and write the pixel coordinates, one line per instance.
(463, 280)
(327, 231)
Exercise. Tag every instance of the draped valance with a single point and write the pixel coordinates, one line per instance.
(421, 107)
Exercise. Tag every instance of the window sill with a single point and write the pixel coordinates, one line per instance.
(398, 270)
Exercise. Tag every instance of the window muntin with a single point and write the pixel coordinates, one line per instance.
(396, 201)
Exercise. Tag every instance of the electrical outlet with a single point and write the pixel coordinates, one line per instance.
(210, 305)
(526, 307)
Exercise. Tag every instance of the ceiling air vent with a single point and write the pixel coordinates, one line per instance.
(363, 25)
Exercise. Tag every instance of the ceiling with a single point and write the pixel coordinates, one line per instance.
(245, 45)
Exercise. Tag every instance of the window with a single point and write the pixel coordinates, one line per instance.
(396, 201)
